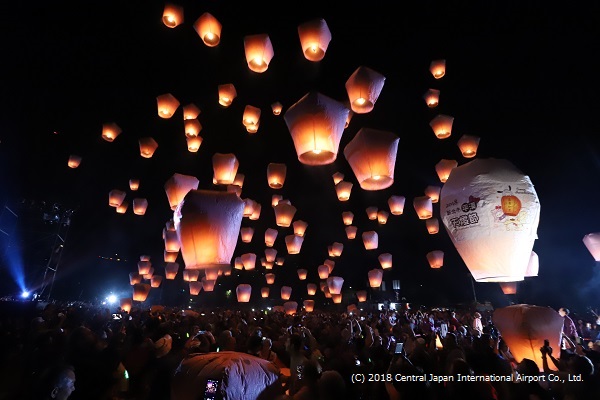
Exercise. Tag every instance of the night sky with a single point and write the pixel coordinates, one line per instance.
(522, 78)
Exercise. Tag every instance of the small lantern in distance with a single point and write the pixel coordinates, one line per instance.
(347, 217)
(243, 292)
(299, 227)
(309, 305)
(423, 206)
(337, 177)
(508, 287)
(385, 259)
(432, 225)
(172, 15)
(311, 289)
(167, 105)
(134, 184)
(433, 192)
(225, 167)
(286, 292)
(251, 115)
(370, 240)
(227, 93)
(116, 197)
(442, 126)
(375, 277)
(110, 131)
(122, 208)
(74, 161)
(432, 98)
(140, 206)
(147, 147)
(190, 111)
(302, 273)
(264, 292)
(438, 68)
(371, 213)
(382, 216)
(194, 143)
(276, 107)
(444, 168)
(361, 295)
(396, 204)
(209, 29)
(435, 258)
(343, 190)
(468, 145)
(259, 52)
(276, 173)
(192, 127)
(314, 39)
(351, 232)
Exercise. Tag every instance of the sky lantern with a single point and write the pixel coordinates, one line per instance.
(347, 217)
(195, 288)
(525, 327)
(177, 186)
(171, 240)
(335, 284)
(336, 298)
(243, 292)
(270, 254)
(227, 93)
(167, 104)
(372, 155)
(276, 175)
(192, 127)
(382, 216)
(302, 273)
(468, 145)
(337, 248)
(249, 261)
(433, 192)
(141, 291)
(396, 204)
(337, 177)
(508, 287)
(533, 267)
(239, 180)
(435, 259)
(155, 281)
(171, 269)
(432, 98)
(144, 267)
(147, 147)
(592, 243)
(330, 251)
(249, 205)
(293, 243)
(238, 264)
(290, 307)
(284, 214)
(134, 184)
(279, 261)
(442, 126)
(348, 118)
(286, 292)
(255, 212)
(311, 289)
(299, 227)
(364, 87)
(126, 304)
(116, 197)
(270, 278)
(193, 143)
(270, 237)
(191, 275)
(212, 273)
(110, 131)
(259, 52)
(433, 225)
(316, 123)
(190, 111)
(385, 259)
(134, 278)
(74, 161)
(246, 234)
(309, 305)
(323, 271)
(209, 29)
(375, 277)
(225, 270)
(276, 108)
(361, 295)
(225, 167)
(370, 240)
(251, 115)
(144, 257)
(491, 212)
(314, 38)
(208, 285)
(122, 208)
(172, 15)
(371, 213)
(264, 292)
(263, 261)
(140, 205)
(438, 68)
(207, 224)
(444, 168)
(351, 232)
(234, 189)
(343, 190)
(423, 206)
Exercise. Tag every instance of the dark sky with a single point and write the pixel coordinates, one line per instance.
(522, 78)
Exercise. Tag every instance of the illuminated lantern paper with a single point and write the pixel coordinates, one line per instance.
(284, 214)
(371, 213)
(126, 304)
(144, 267)
(432, 98)
(314, 39)
(147, 147)
(382, 217)
(251, 115)
(375, 277)
(348, 118)
(255, 212)
(309, 305)
(336, 249)
(155, 281)
(177, 186)
(235, 189)
(134, 184)
(74, 161)
(468, 145)
(323, 271)
(209, 29)
(276, 175)
(592, 243)
(290, 307)
(270, 278)
(171, 240)
(116, 197)
(193, 143)
(207, 224)
(433, 192)
(144, 258)
(302, 273)
(444, 168)
(508, 287)
(191, 275)
(316, 123)
(442, 126)
(264, 292)
(268, 265)
(300, 227)
(534, 265)
(134, 278)
(171, 269)
(208, 285)
(351, 232)
(396, 204)
(435, 259)
(370, 240)
(225, 270)
(335, 283)
(270, 255)
(227, 93)
(246, 234)
(525, 327)
(110, 131)
(337, 177)
(249, 205)
(330, 264)
(343, 190)
(243, 292)
(172, 15)
(311, 289)
(249, 261)
(192, 127)
(276, 107)
(423, 206)
(433, 225)
(385, 259)
(122, 208)
(238, 264)
(336, 298)
(364, 87)
(167, 104)
(372, 155)
(259, 52)
(279, 261)
(140, 206)
(438, 68)
(286, 292)
(361, 295)
(195, 288)
(141, 291)
(270, 237)
(225, 167)
(491, 212)
(190, 111)
(347, 217)
(293, 243)
(211, 274)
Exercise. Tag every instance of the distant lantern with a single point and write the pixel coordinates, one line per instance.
(323, 271)
(335, 283)
(234, 189)
(270, 278)
(423, 206)
(442, 126)
(171, 240)
(191, 275)
(249, 205)
(209, 29)
(255, 212)
(309, 305)
(337, 177)
(259, 52)
(171, 269)
(382, 216)
(134, 184)
(249, 261)
(243, 292)
(302, 273)
(337, 248)
(195, 288)
(592, 243)
(276, 107)
(155, 281)
(208, 285)
(167, 104)
(330, 251)
(299, 227)
(508, 287)
(343, 190)
(270, 255)
(435, 258)
(468, 145)
(372, 155)
(140, 206)
(122, 208)
(347, 217)
(293, 243)
(134, 278)
(246, 234)
(192, 127)
(370, 240)
(396, 204)
(144, 258)
(364, 87)
(147, 147)
(172, 15)
(351, 232)
(286, 292)
(371, 213)
(438, 68)
(251, 116)
(74, 161)
(290, 307)
(336, 298)
(126, 304)
(110, 131)
(227, 93)
(194, 143)
(268, 265)
(385, 259)
(279, 261)
(238, 264)
(276, 175)
(311, 289)
(316, 123)
(375, 277)
(264, 292)
(116, 197)
(361, 295)
(144, 267)
(226, 270)
(207, 224)
(348, 119)
(433, 225)
(212, 273)
(432, 98)
(141, 291)
(284, 214)
(270, 237)
(225, 167)
(444, 168)
(314, 39)
(177, 186)
(533, 267)
(433, 192)
(190, 111)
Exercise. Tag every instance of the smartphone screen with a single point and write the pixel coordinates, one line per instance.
(399, 347)
(210, 393)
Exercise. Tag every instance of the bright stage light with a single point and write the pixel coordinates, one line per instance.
(25, 294)
(112, 299)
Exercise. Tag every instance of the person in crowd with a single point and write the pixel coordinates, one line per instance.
(569, 328)
(56, 382)
(477, 325)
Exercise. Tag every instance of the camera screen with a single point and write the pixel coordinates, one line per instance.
(399, 347)
(211, 386)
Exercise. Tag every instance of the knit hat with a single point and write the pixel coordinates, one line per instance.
(162, 346)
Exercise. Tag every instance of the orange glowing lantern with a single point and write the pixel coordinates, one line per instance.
(314, 39)
(382, 217)
(238, 264)
(435, 259)
(276, 175)
(438, 68)
(311, 289)
(209, 29)
(110, 131)
(134, 278)
(264, 292)
(347, 217)
(191, 275)
(147, 147)
(323, 271)
(433, 192)
(212, 273)
(259, 52)
(592, 243)
(126, 304)
(337, 177)
(286, 292)
(177, 186)
(249, 205)
(302, 273)
(309, 305)
(255, 212)
(276, 107)
(171, 269)
(375, 277)
(235, 189)
(208, 285)
(364, 87)
(279, 261)
(251, 116)
(246, 234)
(227, 93)
(155, 281)
(270, 255)
(284, 214)
(330, 264)
(225, 167)
(336, 249)
(249, 261)
(433, 225)
(269, 265)
(225, 270)
(432, 98)
(122, 208)
(508, 287)
(134, 184)
(144, 267)
(172, 15)
(343, 190)
(141, 291)
(316, 123)
(171, 240)
(167, 104)
(270, 278)
(195, 288)
(74, 161)
(140, 206)
(468, 145)
(335, 283)
(144, 258)
(371, 213)
(336, 298)
(192, 127)
(361, 295)
(243, 292)
(372, 155)
(396, 204)
(351, 232)
(300, 227)
(290, 307)
(293, 243)
(370, 240)
(444, 168)
(194, 143)
(190, 111)
(270, 237)
(423, 206)
(442, 126)
(116, 197)
(385, 259)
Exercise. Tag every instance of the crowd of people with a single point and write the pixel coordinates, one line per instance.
(76, 352)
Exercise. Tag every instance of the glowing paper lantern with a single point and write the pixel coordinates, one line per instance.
(314, 39)
(190, 111)
(243, 292)
(371, 213)
(348, 119)
(147, 147)
(212, 273)
(300, 227)
(172, 15)
(286, 292)
(468, 145)
(433, 192)
(438, 68)
(316, 123)
(337, 177)
(144, 267)
(311, 289)
(335, 283)
(122, 208)
(351, 232)
(444, 168)
(330, 264)
(309, 305)
(364, 87)
(171, 269)
(336, 249)
(192, 127)
(432, 98)
(144, 258)
(347, 217)
(116, 197)
(141, 291)
(249, 205)
(284, 214)
(177, 186)
(227, 93)
(264, 292)
(435, 259)
(171, 240)
(290, 307)
(225, 270)
(372, 155)
(270, 278)
(246, 234)
(491, 212)
(323, 271)
(293, 243)
(442, 126)
(276, 107)
(195, 288)
(361, 295)
(235, 189)
(270, 237)
(167, 104)
(194, 143)
(382, 217)
(251, 115)
(74, 161)
(155, 281)
(238, 264)
(276, 175)
(208, 285)
(207, 223)
(385, 259)
(343, 190)
(336, 298)
(302, 273)
(134, 278)
(110, 131)
(270, 255)
(433, 225)
(224, 167)
(249, 261)
(255, 212)
(140, 206)
(396, 204)
(134, 184)
(508, 287)
(423, 206)
(375, 277)
(592, 243)
(259, 52)
(279, 261)
(209, 29)
(370, 240)
(126, 304)
(534, 265)
(525, 327)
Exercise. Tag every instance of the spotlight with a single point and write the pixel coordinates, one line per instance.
(112, 299)
(25, 294)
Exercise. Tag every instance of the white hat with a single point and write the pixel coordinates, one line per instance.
(162, 346)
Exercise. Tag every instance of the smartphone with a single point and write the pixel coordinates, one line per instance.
(210, 392)
(546, 343)
(399, 348)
